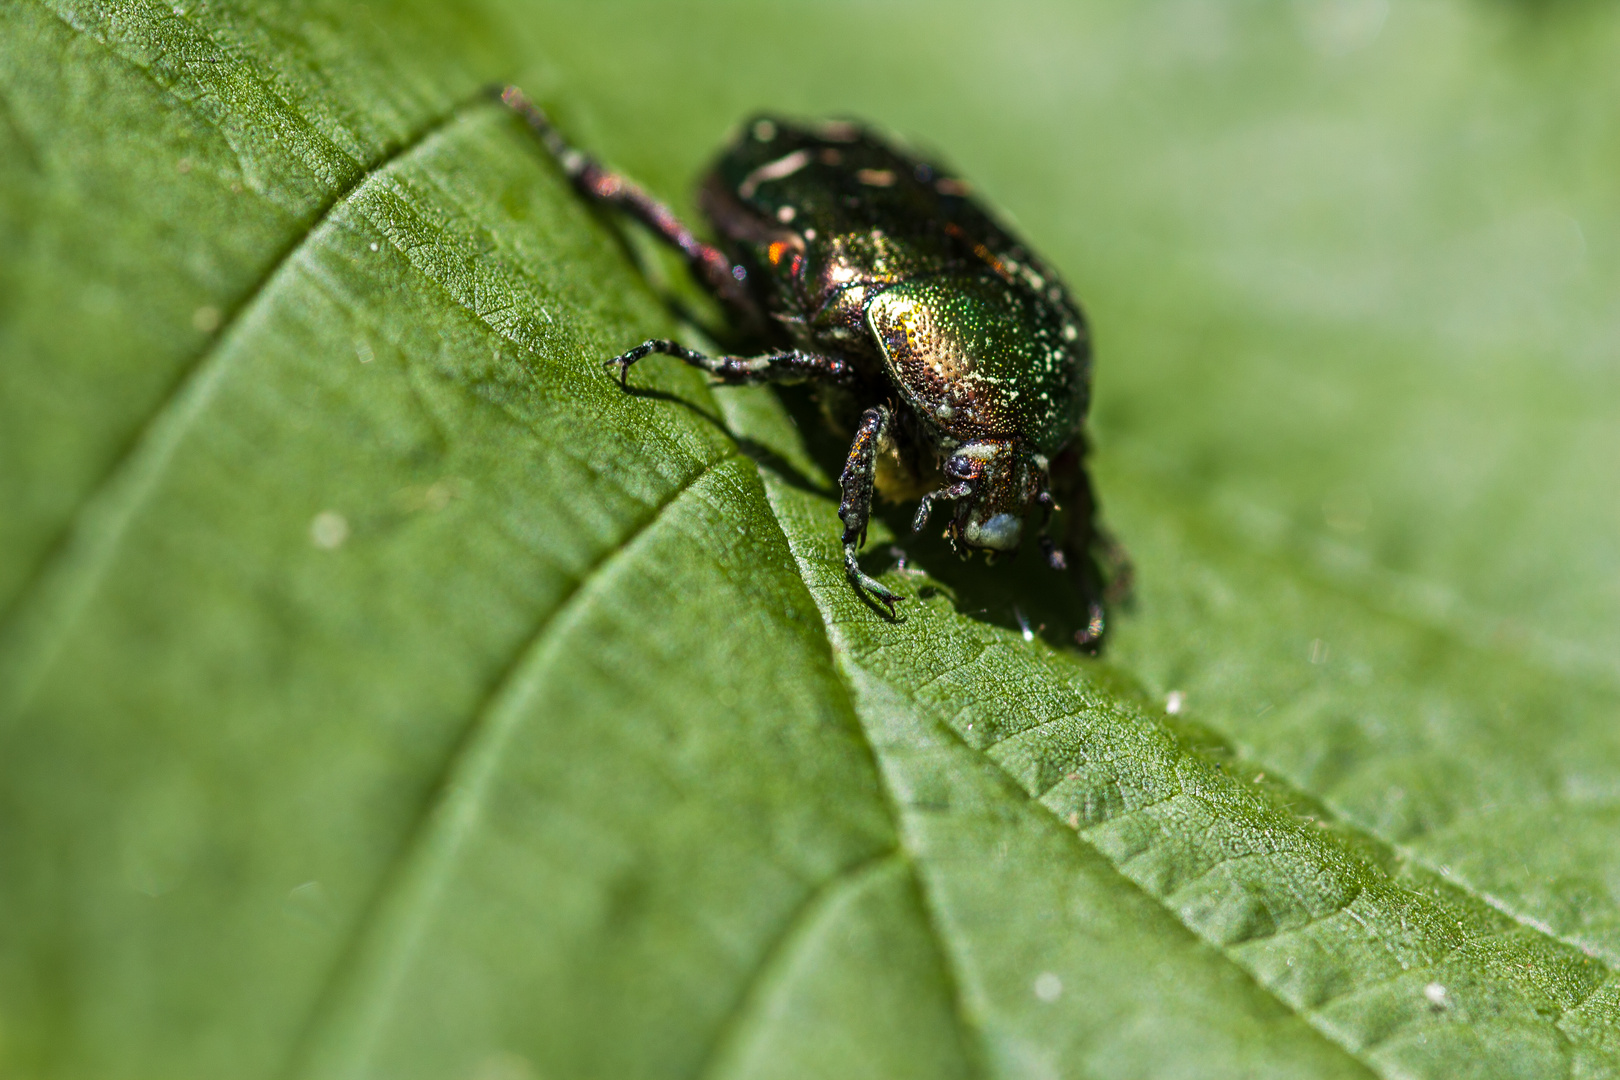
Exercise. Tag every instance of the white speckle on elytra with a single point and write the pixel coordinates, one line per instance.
(779, 169)
(1048, 987)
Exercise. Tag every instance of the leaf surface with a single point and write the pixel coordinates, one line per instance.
(384, 692)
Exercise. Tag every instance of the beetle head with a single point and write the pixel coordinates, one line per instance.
(999, 481)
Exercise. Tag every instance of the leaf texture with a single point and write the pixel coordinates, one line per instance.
(383, 692)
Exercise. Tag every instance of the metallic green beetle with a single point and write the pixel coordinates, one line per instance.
(876, 274)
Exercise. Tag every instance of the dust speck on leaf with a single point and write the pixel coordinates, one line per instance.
(328, 530)
(206, 319)
(308, 903)
(505, 1066)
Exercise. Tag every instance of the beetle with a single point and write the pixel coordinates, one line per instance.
(959, 354)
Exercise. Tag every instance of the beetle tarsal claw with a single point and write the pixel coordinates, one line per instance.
(864, 582)
(1091, 635)
(623, 361)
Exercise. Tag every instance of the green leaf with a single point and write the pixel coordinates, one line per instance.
(383, 692)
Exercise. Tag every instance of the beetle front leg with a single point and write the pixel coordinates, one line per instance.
(600, 184)
(966, 472)
(925, 505)
(855, 508)
(784, 367)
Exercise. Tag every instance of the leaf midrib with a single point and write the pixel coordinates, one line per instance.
(838, 652)
(1360, 1055)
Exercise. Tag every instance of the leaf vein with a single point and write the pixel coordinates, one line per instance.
(406, 892)
(974, 1038)
(749, 995)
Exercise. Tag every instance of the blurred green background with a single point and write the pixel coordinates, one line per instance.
(1337, 255)
(304, 466)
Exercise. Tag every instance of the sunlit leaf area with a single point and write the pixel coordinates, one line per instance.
(385, 693)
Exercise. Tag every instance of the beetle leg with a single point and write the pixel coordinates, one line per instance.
(599, 184)
(925, 505)
(1053, 554)
(966, 472)
(855, 508)
(1082, 536)
(784, 367)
